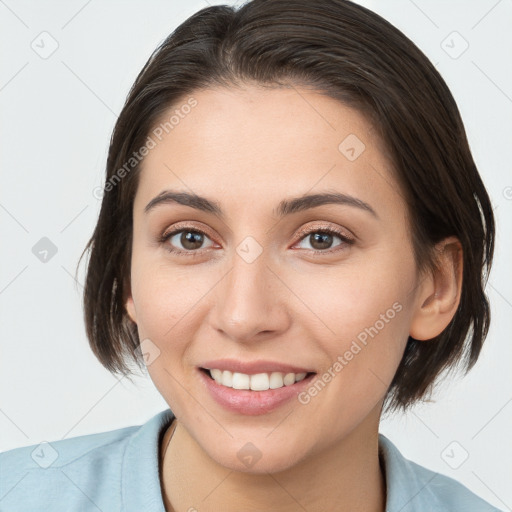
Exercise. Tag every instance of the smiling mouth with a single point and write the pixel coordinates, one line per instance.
(257, 381)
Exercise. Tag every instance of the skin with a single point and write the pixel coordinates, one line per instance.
(249, 149)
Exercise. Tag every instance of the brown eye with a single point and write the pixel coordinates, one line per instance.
(191, 240)
(184, 240)
(321, 240)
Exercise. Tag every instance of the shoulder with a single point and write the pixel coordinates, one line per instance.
(412, 487)
(39, 476)
(83, 472)
(57, 454)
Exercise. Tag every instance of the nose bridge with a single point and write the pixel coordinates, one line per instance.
(249, 301)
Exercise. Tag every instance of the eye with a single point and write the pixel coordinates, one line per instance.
(321, 239)
(190, 239)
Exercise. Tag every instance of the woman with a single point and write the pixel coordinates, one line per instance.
(293, 237)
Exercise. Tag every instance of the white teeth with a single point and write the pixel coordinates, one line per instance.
(289, 379)
(260, 382)
(241, 381)
(216, 374)
(276, 380)
(256, 382)
(227, 379)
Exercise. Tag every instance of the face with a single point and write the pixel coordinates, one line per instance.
(247, 286)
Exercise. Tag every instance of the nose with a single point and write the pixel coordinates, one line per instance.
(252, 302)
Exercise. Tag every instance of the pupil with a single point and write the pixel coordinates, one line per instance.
(191, 239)
(325, 239)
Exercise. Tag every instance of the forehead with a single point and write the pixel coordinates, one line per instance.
(255, 146)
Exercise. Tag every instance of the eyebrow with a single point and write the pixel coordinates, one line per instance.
(285, 207)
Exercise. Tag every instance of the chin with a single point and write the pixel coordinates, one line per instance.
(258, 458)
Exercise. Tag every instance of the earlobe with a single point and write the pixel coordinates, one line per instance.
(439, 293)
(129, 304)
(130, 309)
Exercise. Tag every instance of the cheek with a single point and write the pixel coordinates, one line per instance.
(164, 297)
(165, 303)
(365, 316)
(350, 299)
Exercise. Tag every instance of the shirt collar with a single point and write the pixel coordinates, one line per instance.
(140, 474)
(406, 488)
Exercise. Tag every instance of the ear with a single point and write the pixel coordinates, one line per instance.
(129, 305)
(130, 309)
(439, 293)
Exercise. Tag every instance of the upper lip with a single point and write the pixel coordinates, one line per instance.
(253, 367)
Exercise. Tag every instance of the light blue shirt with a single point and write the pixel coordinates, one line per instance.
(119, 471)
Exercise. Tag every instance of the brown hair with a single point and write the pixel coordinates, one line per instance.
(351, 54)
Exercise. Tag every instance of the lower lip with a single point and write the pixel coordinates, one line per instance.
(249, 402)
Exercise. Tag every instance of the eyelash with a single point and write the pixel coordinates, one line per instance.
(303, 234)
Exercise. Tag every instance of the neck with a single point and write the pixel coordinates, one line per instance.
(346, 477)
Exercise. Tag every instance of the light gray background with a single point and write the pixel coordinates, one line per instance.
(57, 116)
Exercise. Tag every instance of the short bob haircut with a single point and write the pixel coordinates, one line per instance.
(348, 53)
